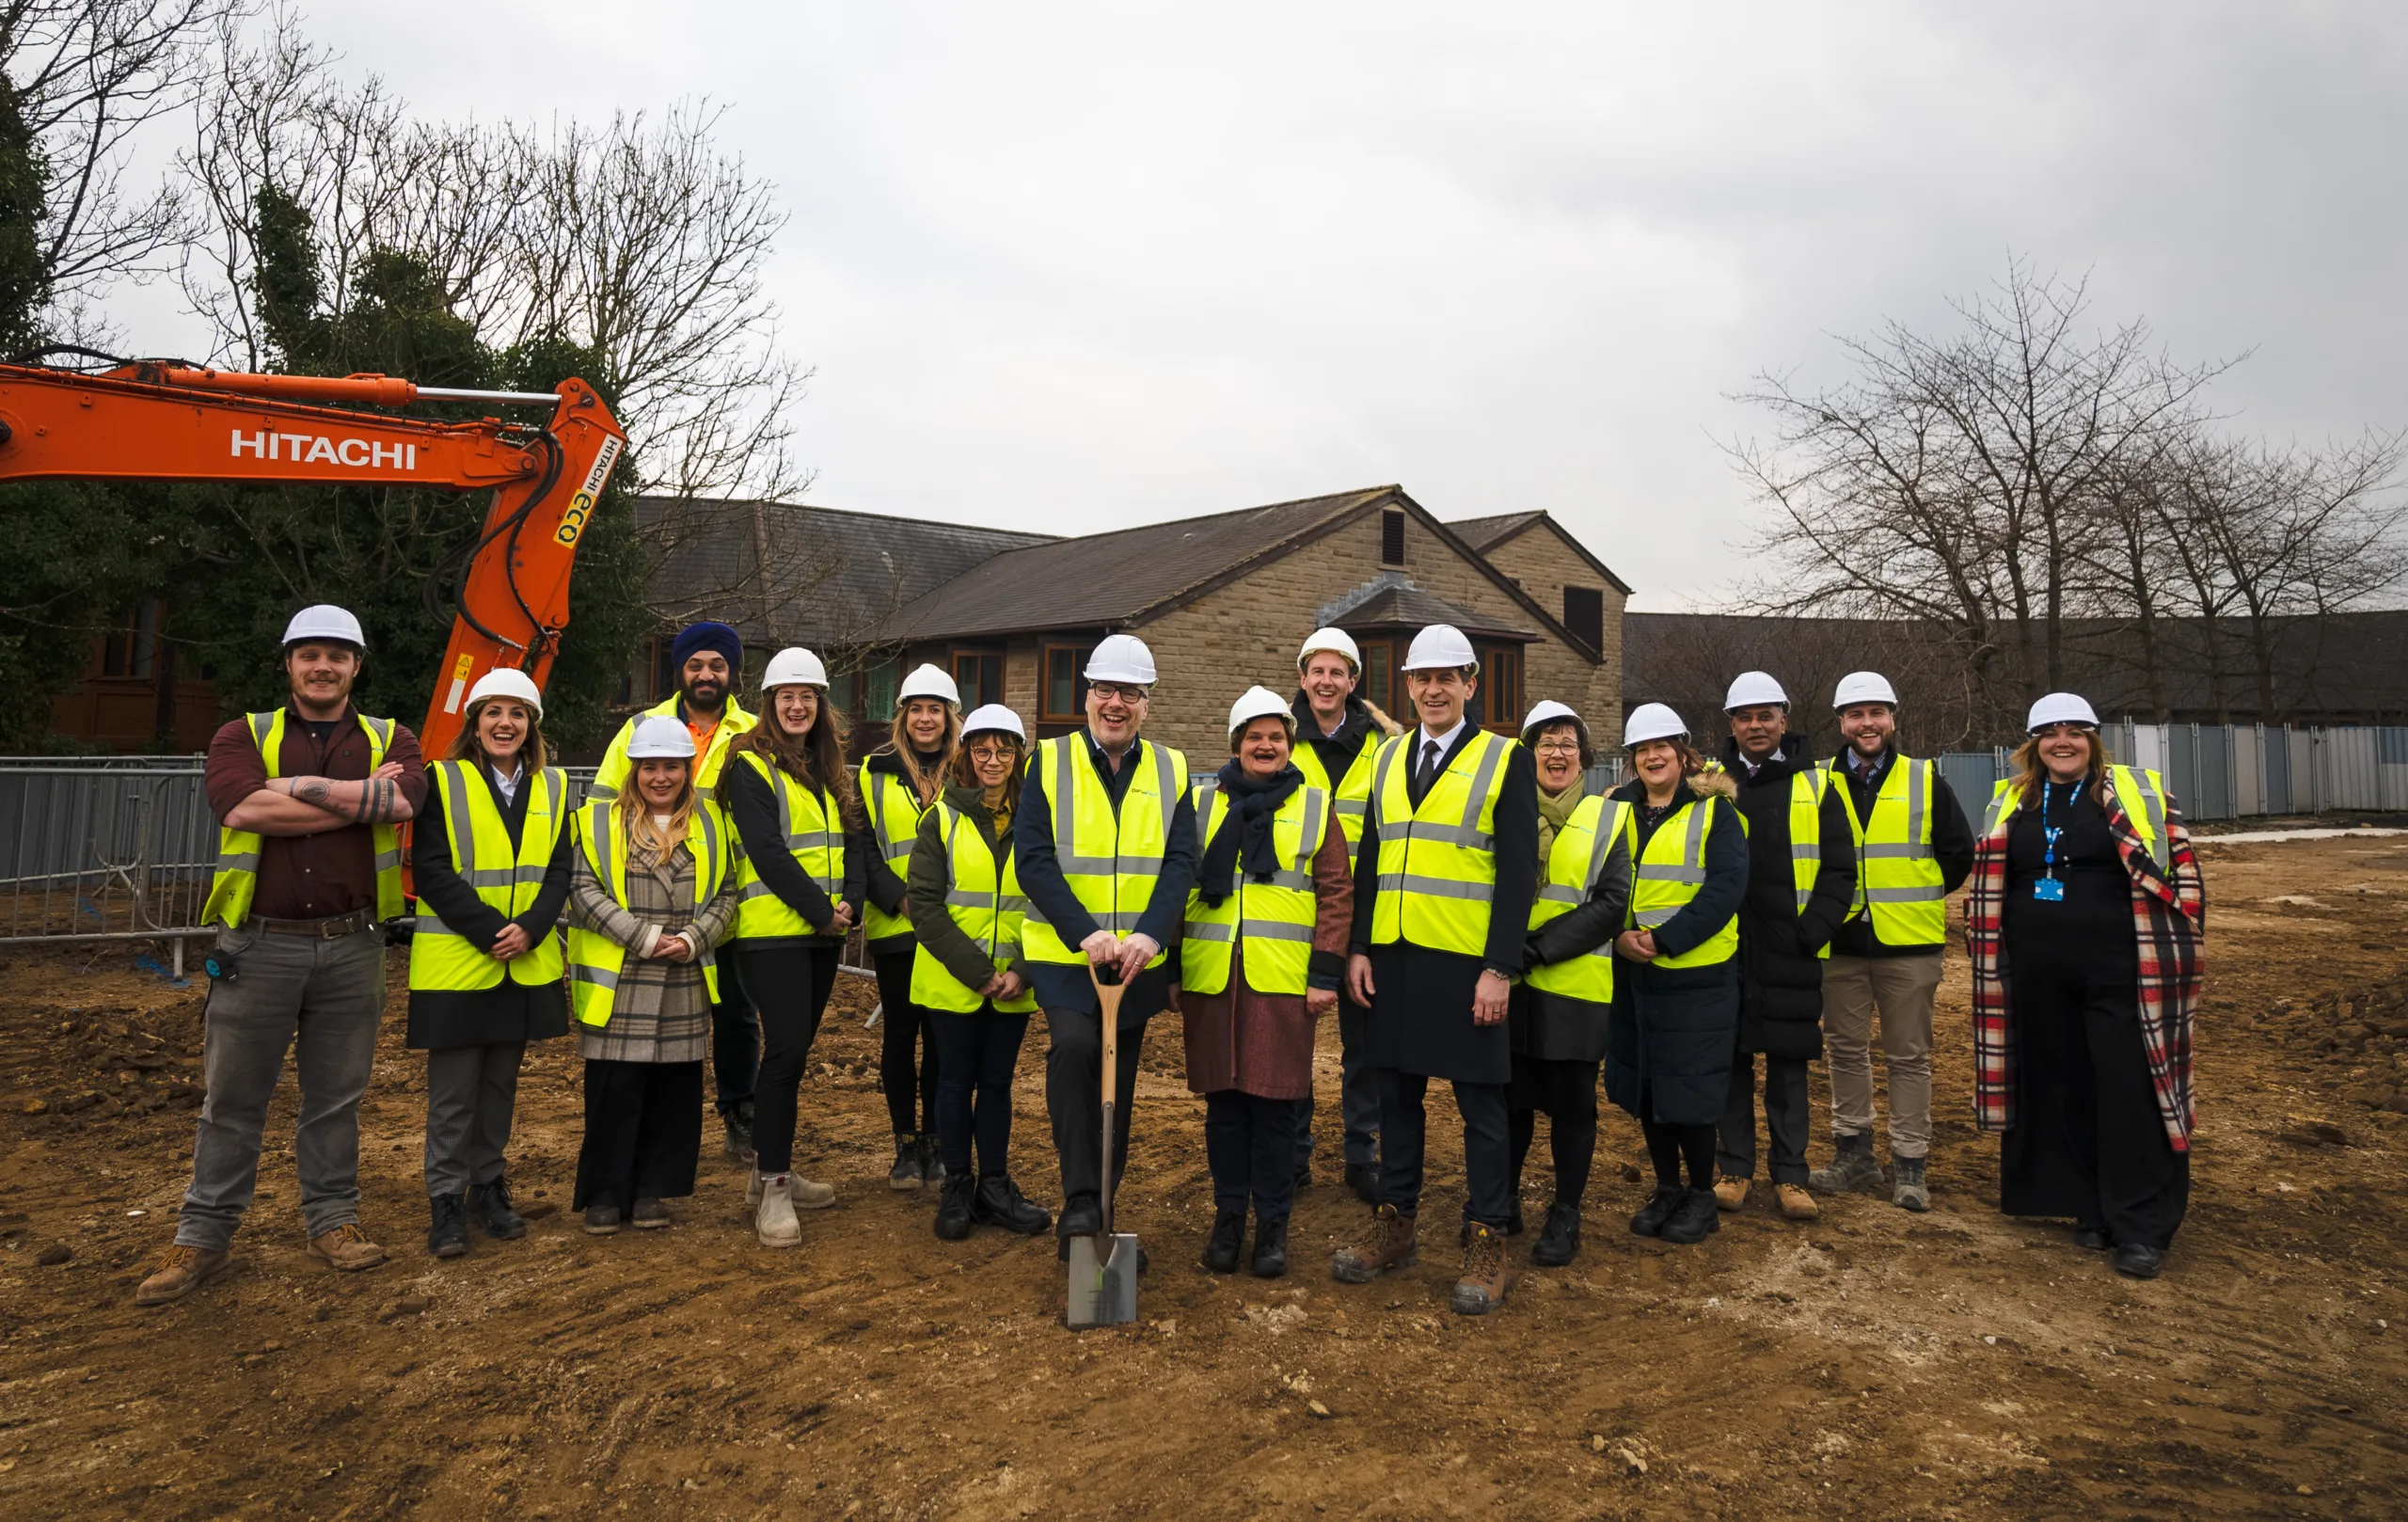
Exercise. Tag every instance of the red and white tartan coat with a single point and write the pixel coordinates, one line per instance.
(2169, 922)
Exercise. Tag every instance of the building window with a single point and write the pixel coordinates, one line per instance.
(1584, 615)
(1378, 673)
(979, 674)
(878, 681)
(844, 688)
(1501, 687)
(1063, 701)
(1392, 537)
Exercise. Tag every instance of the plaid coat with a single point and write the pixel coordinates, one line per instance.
(2169, 922)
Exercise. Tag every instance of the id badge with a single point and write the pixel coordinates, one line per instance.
(2050, 890)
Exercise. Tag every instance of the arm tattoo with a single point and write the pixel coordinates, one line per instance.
(312, 790)
(366, 801)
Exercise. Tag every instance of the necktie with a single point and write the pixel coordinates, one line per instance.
(1429, 764)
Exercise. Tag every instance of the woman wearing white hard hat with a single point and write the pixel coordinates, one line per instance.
(1676, 984)
(899, 783)
(966, 974)
(1264, 953)
(2083, 876)
(651, 895)
(490, 854)
(791, 797)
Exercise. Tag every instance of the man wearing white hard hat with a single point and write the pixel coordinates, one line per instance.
(309, 796)
(1444, 877)
(1915, 847)
(899, 783)
(708, 658)
(1264, 953)
(1338, 733)
(1105, 840)
(1801, 881)
(491, 856)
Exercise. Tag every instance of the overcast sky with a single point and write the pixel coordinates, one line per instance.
(1076, 267)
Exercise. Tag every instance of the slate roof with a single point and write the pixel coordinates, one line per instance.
(1482, 532)
(1394, 601)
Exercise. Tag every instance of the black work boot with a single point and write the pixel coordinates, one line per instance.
(448, 1237)
(1560, 1238)
(1660, 1205)
(1221, 1247)
(999, 1202)
(501, 1222)
(1694, 1219)
(1081, 1216)
(931, 1158)
(952, 1208)
(736, 1123)
(1364, 1178)
(1271, 1248)
(906, 1173)
(1852, 1167)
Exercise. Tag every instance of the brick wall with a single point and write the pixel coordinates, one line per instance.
(1544, 565)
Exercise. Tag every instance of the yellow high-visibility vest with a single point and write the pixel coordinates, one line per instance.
(2140, 793)
(1110, 860)
(505, 879)
(1667, 874)
(1898, 882)
(1273, 920)
(1438, 863)
(613, 772)
(1573, 862)
(813, 832)
(1350, 794)
(1806, 790)
(237, 877)
(895, 810)
(988, 908)
(593, 959)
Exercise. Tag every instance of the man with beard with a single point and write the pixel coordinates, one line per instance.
(708, 658)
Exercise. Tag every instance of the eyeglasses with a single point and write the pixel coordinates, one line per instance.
(1557, 748)
(993, 751)
(1115, 689)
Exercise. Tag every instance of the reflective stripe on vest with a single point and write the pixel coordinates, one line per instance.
(594, 959)
(1352, 793)
(505, 878)
(987, 910)
(613, 773)
(1898, 881)
(1666, 878)
(895, 810)
(1108, 858)
(236, 880)
(1582, 843)
(1438, 863)
(812, 835)
(2139, 793)
(1273, 919)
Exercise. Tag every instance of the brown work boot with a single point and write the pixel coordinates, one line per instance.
(1796, 1204)
(346, 1247)
(1482, 1289)
(182, 1271)
(1730, 1192)
(1391, 1245)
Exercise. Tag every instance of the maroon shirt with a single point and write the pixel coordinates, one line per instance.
(334, 872)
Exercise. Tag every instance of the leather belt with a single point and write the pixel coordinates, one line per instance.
(333, 927)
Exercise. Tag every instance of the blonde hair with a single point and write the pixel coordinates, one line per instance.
(2030, 771)
(635, 814)
(816, 760)
(467, 746)
(898, 740)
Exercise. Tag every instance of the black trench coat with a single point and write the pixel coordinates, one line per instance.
(1668, 1043)
(1781, 976)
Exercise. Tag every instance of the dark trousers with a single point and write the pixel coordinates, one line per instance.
(1566, 1093)
(1784, 1120)
(1250, 1143)
(907, 1052)
(792, 984)
(471, 1093)
(979, 1052)
(1488, 1153)
(1075, 1097)
(643, 1123)
(735, 1041)
(1358, 1094)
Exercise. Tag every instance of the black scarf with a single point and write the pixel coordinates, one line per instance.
(1244, 825)
(1337, 751)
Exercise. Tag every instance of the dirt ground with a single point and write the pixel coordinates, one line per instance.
(1877, 1363)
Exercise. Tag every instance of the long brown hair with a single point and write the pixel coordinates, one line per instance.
(966, 775)
(816, 760)
(466, 746)
(898, 740)
(635, 816)
(2030, 771)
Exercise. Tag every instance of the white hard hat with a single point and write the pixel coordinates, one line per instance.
(926, 681)
(1337, 641)
(1121, 658)
(324, 621)
(793, 667)
(1864, 687)
(1258, 703)
(2061, 709)
(1550, 712)
(1440, 647)
(1653, 721)
(659, 738)
(507, 682)
(993, 717)
(1752, 690)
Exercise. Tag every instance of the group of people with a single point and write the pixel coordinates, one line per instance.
(1462, 900)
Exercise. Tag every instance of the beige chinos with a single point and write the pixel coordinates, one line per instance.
(1899, 991)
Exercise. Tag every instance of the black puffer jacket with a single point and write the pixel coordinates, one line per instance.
(1672, 1031)
(1780, 977)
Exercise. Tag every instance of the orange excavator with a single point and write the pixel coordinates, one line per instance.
(162, 420)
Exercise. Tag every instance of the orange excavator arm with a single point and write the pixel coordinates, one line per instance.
(151, 420)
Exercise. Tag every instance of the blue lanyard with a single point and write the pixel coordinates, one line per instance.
(2047, 831)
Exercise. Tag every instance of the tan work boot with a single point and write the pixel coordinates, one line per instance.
(773, 1219)
(182, 1271)
(1796, 1204)
(1730, 1192)
(1486, 1274)
(807, 1194)
(1391, 1245)
(346, 1247)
